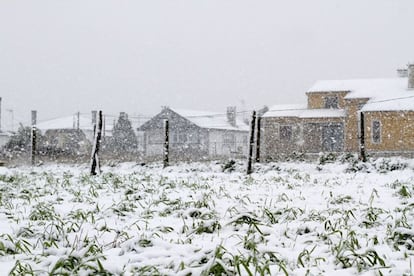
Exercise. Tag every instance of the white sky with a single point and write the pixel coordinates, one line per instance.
(60, 57)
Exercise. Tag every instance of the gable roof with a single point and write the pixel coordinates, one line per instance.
(211, 120)
(70, 122)
(383, 94)
(301, 111)
(67, 122)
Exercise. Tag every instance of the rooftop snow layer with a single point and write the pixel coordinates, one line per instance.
(364, 88)
(285, 110)
(214, 120)
(383, 94)
(69, 122)
(400, 104)
(301, 111)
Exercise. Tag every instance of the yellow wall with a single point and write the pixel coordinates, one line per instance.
(317, 99)
(352, 124)
(397, 130)
(273, 146)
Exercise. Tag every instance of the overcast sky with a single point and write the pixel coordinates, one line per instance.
(60, 57)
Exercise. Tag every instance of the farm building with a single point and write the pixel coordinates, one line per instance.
(330, 121)
(195, 135)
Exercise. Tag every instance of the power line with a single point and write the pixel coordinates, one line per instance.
(216, 115)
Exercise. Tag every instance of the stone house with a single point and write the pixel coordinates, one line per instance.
(196, 135)
(330, 121)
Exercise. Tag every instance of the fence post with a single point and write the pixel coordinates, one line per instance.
(33, 137)
(251, 144)
(95, 162)
(78, 120)
(258, 137)
(166, 143)
(362, 154)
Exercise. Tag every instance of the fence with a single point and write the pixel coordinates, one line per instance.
(75, 145)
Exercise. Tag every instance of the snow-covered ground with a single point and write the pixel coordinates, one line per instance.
(294, 218)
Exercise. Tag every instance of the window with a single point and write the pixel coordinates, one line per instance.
(177, 137)
(285, 133)
(376, 131)
(331, 102)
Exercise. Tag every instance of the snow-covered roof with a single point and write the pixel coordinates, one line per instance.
(285, 110)
(69, 122)
(363, 88)
(301, 111)
(323, 113)
(212, 120)
(399, 104)
(383, 94)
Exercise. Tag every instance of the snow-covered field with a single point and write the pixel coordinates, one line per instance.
(193, 219)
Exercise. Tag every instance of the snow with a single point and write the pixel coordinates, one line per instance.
(211, 120)
(305, 218)
(405, 103)
(67, 122)
(301, 111)
(70, 122)
(363, 88)
(383, 94)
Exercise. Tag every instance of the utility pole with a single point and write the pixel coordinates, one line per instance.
(362, 153)
(78, 120)
(12, 118)
(251, 144)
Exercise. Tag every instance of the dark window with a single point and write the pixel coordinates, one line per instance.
(331, 102)
(376, 131)
(285, 133)
(332, 137)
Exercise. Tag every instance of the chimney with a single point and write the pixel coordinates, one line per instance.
(411, 76)
(123, 115)
(231, 115)
(94, 113)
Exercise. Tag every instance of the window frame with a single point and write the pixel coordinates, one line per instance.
(374, 130)
(331, 101)
(285, 135)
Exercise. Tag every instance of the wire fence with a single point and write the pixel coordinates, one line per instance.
(74, 144)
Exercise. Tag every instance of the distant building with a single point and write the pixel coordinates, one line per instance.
(196, 135)
(70, 133)
(329, 122)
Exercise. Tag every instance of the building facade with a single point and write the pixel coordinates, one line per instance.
(330, 121)
(195, 135)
